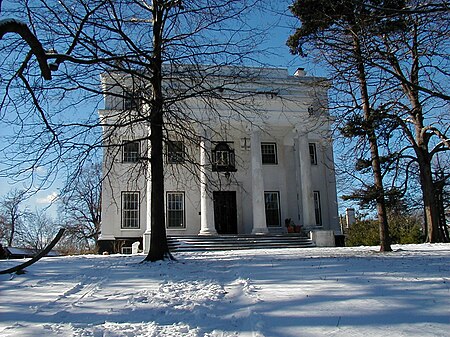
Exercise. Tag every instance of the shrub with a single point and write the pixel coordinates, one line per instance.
(403, 229)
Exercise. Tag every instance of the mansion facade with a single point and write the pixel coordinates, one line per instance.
(248, 164)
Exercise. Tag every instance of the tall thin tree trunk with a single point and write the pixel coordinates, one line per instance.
(159, 249)
(431, 208)
(385, 245)
(11, 236)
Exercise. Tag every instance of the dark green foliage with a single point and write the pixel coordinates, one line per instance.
(405, 226)
(378, 121)
(318, 16)
(354, 127)
(363, 233)
(366, 197)
(403, 229)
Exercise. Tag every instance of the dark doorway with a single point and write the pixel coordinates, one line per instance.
(225, 214)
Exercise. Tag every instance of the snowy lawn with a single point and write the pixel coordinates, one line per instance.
(277, 292)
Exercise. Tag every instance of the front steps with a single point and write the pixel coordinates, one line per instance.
(236, 242)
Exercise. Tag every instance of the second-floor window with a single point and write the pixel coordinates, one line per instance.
(223, 159)
(175, 152)
(313, 153)
(130, 151)
(269, 153)
(131, 101)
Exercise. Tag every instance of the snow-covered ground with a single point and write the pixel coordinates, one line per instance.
(277, 292)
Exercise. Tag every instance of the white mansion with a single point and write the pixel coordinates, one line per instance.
(244, 165)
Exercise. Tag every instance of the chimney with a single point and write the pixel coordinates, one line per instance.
(300, 72)
(350, 216)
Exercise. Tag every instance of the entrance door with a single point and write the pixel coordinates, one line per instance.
(225, 213)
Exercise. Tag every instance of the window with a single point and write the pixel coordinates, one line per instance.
(127, 250)
(175, 210)
(175, 152)
(317, 211)
(269, 153)
(130, 151)
(130, 210)
(223, 158)
(272, 205)
(131, 101)
(313, 153)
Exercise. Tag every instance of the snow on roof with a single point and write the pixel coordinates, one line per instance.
(14, 251)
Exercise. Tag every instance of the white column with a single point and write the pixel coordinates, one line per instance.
(206, 203)
(305, 179)
(259, 210)
(148, 228)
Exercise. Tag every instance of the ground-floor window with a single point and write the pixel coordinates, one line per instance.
(126, 250)
(175, 210)
(130, 210)
(272, 205)
(317, 210)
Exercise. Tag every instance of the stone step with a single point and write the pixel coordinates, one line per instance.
(236, 242)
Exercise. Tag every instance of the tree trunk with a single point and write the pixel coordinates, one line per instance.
(420, 142)
(431, 209)
(385, 245)
(159, 250)
(12, 233)
(36, 257)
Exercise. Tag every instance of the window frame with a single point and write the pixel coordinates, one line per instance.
(168, 210)
(175, 157)
(127, 156)
(131, 100)
(224, 150)
(317, 208)
(312, 153)
(127, 218)
(278, 209)
(265, 156)
(126, 250)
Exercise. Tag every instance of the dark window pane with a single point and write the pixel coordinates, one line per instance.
(175, 152)
(175, 210)
(269, 153)
(223, 159)
(130, 210)
(313, 153)
(130, 152)
(317, 210)
(272, 206)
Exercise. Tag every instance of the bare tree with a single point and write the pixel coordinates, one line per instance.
(80, 208)
(12, 215)
(37, 231)
(168, 52)
(414, 58)
(12, 25)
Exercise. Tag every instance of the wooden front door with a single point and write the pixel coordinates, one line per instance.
(225, 213)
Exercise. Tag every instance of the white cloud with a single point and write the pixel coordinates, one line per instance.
(47, 199)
